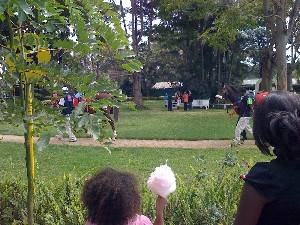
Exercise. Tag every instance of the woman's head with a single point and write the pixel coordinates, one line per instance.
(111, 197)
(276, 123)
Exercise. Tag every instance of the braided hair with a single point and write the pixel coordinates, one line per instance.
(276, 123)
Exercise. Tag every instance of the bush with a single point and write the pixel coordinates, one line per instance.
(205, 199)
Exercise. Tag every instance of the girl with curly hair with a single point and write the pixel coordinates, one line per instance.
(271, 193)
(112, 198)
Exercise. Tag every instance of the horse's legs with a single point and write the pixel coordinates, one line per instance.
(111, 122)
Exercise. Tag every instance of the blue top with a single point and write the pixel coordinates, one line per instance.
(166, 96)
(280, 182)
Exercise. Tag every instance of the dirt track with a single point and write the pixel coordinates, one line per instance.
(140, 143)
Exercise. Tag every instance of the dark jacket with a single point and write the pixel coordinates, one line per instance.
(244, 109)
(68, 104)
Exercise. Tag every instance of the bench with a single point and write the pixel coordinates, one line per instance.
(201, 103)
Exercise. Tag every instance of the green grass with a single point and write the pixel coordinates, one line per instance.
(152, 122)
(58, 160)
(155, 122)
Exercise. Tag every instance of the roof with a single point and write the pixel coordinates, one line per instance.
(253, 81)
(163, 85)
(249, 82)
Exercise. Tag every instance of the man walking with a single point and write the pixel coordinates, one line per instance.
(67, 103)
(245, 113)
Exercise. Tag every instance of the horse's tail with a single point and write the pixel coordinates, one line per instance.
(116, 114)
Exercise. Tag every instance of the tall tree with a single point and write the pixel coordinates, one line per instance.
(281, 16)
(137, 34)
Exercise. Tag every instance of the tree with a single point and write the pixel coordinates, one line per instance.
(280, 17)
(33, 56)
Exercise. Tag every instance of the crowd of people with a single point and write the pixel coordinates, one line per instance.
(186, 98)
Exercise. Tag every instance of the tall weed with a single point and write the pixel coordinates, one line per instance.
(203, 200)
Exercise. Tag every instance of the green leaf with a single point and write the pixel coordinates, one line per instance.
(105, 133)
(115, 45)
(84, 120)
(25, 7)
(90, 41)
(50, 28)
(61, 128)
(94, 130)
(2, 17)
(3, 5)
(127, 67)
(21, 16)
(133, 66)
(125, 54)
(66, 44)
(43, 142)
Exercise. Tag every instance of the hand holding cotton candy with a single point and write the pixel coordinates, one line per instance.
(162, 181)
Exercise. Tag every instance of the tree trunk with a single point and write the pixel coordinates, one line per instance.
(202, 63)
(219, 66)
(137, 81)
(137, 89)
(123, 17)
(281, 64)
(266, 69)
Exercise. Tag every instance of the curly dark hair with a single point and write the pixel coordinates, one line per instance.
(111, 197)
(276, 123)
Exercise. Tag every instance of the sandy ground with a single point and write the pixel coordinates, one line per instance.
(204, 144)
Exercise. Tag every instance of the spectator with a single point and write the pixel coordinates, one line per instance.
(170, 103)
(185, 98)
(166, 99)
(271, 193)
(178, 99)
(113, 198)
(191, 99)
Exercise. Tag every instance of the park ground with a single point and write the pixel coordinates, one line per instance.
(200, 144)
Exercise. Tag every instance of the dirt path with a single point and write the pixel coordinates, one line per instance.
(140, 143)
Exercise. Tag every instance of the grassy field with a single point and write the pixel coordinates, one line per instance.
(80, 161)
(155, 122)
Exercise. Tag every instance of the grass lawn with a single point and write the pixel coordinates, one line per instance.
(156, 122)
(80, 161)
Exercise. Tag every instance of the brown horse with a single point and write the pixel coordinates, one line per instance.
(106, 109)
(229, 92)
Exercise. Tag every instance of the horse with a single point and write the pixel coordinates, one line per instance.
(229, 92)
(106, 110)
(232, 93)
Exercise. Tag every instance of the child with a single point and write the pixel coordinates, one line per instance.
(113, 198)
(271, 193)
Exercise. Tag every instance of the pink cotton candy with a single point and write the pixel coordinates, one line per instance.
(162, 181)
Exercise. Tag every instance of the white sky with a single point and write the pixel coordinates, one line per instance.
(126, 3)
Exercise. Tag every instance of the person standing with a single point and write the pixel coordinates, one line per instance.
(67, 103)
(191, 99)
(245, 113)
(178, 98)
(170, 103)
(185, 98)
(166, 99)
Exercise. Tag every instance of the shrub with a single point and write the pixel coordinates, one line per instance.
(205, 199)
